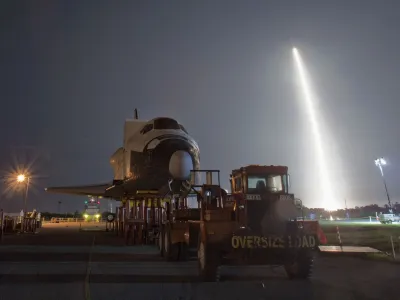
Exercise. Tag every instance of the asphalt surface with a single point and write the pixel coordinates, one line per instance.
(62, 263)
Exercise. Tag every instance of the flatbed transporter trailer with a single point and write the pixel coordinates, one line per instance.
(143, 217)
(255, 225)
(139, 217)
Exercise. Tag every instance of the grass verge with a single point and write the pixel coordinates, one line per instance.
(372, 235)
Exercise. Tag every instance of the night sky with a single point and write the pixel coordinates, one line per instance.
(72, 71)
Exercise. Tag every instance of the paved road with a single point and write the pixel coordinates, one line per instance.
(133, 278)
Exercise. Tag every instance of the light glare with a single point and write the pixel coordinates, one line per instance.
(328, 201)
(21, 178)
(380, 161)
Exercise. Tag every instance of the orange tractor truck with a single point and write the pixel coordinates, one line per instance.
(257, 224)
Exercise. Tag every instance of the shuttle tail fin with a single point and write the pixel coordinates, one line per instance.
(131, 127)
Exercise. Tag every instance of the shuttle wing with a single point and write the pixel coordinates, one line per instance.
(83, 190)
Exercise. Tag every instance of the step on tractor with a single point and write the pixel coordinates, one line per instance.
(257, 224)
(171, 242)
(180, 229)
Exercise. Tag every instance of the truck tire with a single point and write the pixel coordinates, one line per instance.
(300, 267)
(207, 263)
(171, 251)
(110, 217)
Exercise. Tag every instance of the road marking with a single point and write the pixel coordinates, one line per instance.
(87, 286)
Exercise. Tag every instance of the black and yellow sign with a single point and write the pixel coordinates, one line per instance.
(251, 241)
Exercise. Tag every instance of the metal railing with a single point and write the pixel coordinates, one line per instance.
(64, 220)
(71, 220)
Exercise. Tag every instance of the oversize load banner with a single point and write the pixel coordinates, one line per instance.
(252, 241)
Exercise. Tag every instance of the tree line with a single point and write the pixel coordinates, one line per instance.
(356, 212)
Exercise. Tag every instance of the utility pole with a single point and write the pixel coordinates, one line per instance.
(23, 178)
(347, 211)
(26, 195)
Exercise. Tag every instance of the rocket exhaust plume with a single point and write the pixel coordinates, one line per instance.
(327, 197)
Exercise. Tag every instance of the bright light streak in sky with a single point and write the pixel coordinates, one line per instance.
(328, 201)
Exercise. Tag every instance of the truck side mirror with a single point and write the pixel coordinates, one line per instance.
(298, 203)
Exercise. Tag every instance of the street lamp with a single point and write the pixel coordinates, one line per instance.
(23, 178)
(379, 162)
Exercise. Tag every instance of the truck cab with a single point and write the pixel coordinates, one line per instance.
(92, 210)
(262, 197)
(257, 179)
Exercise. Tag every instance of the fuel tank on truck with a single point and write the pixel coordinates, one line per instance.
(269, 215)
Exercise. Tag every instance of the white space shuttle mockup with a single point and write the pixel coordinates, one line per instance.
(155, 154)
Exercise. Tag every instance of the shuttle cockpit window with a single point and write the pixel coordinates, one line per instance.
(183, 129)
(166, 123)
(146, 128)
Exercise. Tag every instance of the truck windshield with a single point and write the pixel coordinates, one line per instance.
(268, 183)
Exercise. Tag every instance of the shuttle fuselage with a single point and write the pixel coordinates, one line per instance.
(154, 153)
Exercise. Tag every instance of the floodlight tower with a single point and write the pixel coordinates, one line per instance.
(379, 162)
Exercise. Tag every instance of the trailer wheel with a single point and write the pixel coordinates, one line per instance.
(207, 263)
(171, 251)
(301, 267)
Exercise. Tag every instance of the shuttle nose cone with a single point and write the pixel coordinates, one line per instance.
(180, 165)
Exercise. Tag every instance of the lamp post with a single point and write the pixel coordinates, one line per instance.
(379, 162)
(23, 178)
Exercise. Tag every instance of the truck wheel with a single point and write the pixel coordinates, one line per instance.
(301, 267)
(207, 263)
(171, 251)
